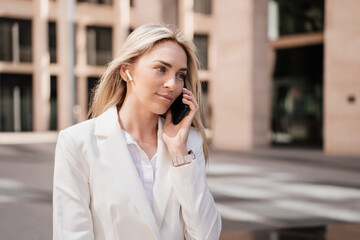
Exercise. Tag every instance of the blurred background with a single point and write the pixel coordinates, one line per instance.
(274, 72)
(281, 100)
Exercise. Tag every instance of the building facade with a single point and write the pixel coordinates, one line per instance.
(274, 72)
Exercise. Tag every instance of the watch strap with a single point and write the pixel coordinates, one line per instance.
(182, 160)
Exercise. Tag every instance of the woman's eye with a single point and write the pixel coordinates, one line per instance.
(182, 76)
(160, 69)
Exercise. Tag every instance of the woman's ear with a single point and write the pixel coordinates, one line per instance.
(123, 74)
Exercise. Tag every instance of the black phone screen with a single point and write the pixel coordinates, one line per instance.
(179, 110)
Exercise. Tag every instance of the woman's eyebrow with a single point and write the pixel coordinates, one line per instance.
(169, 65)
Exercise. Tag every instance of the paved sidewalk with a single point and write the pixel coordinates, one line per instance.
(9, 138)
(265, 189)
(277, 188)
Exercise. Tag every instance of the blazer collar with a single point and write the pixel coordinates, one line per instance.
(107, 122)
(113, 149)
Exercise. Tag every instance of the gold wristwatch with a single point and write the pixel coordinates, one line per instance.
(182, 160)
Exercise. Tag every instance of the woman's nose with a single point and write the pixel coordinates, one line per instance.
(170, 83)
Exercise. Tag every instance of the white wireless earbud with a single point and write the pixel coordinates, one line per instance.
(128, 74)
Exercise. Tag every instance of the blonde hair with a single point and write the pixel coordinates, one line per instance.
(111, 89)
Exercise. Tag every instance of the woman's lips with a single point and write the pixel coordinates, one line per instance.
(167, 98)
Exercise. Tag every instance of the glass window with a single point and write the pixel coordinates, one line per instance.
(53, 103)
(202, 44)
(297, 96)
(99, 45)
(15, 40)
(202, 6)
(92, 81)
(205, 105)
(107, 2)
(25, 41)
(300, 16)
(130, 30)
(15, 102)
(52, 41)
(6, 48)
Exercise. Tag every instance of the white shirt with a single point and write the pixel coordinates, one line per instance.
(144, 166)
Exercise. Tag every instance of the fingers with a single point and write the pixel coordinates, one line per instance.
(189, 99)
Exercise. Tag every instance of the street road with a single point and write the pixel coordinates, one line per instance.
(265, 189)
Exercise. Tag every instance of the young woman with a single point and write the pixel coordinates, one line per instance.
(128, 173)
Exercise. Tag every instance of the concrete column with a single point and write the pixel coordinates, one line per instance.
(121, 24)
(241, 77)
(41, 62)
(81, 66)
(65, 53)
(341, 81)
(186, 17)
(262, 76)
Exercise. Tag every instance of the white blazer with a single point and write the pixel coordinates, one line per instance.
(98, 193)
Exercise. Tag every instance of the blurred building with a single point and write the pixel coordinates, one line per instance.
(275, 72)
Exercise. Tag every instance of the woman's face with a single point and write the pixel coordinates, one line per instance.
(158, 77)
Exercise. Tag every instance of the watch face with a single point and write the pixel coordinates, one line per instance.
(192, 154)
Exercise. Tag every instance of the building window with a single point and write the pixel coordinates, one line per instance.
(202, 45)
(130, 30)
(99, 45)
(202, 6)
(53, 103)
(15, 102)
(52, 41)
(106, 2)
(15, 40)
(295, 17)
(92, 81)
(297, 96)
(205, 105)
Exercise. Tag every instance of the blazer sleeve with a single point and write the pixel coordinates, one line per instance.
(200, 215)
(71, 196)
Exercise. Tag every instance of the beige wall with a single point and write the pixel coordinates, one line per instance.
(342, 71)
(240, 93)
(149, 11)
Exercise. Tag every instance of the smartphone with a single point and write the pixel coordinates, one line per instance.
(179, 110)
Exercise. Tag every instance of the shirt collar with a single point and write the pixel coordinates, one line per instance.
(128, 138)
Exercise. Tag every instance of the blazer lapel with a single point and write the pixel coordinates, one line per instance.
(162, 186)
(113, 149)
